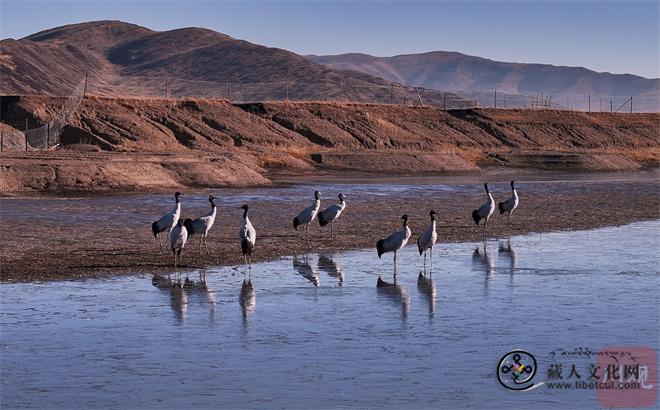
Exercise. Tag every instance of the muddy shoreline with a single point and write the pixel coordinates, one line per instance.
(59, 239)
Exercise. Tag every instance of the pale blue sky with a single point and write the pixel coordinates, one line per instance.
(613, 36)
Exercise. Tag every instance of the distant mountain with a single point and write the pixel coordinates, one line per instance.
(442, 70)
(125, 59)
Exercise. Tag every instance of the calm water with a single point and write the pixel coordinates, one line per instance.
(317, 333)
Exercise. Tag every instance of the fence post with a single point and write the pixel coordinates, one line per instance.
(2, 139)
(495, 99)
(419, 97)
(167, 90)
(26, 142)
(589, 102)
(611, 106)
(631, 104)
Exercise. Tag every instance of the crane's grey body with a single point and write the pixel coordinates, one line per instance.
(395, 241)
(510, 204)
(247, 236)
(427, 239)
(178, 239)
(330, 214)
(308, 214)
(202, 225)
(485, 211)
(167, 221)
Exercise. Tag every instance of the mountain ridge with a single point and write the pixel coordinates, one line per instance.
(451, 70)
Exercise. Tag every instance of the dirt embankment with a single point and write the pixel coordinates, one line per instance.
(151, 144)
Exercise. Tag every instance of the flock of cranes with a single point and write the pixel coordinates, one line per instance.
(180, 230)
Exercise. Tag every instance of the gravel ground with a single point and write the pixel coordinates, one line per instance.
(71, 238)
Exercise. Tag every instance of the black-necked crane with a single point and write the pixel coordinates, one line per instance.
(510, 204)
(427, 239)
(395, 242)
(308, 214)
(485, 211)
(167, 221)
(248, 237)
(178, 239)
(202, 225)
(330, 214)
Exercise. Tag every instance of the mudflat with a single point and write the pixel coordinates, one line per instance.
(54, 238)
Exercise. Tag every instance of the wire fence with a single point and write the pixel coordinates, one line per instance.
(361, 92)
(48, 135)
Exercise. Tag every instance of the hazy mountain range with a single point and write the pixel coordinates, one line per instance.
(444, 70)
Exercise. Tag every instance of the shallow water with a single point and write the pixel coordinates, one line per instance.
(317, 333)
(142, 208)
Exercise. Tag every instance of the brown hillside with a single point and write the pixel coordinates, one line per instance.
(123, 59)
(258, 139)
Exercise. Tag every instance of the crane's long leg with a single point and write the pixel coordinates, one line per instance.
(425, 261)
(331, 230)
(174, 252)
(394, 268)
(160, 242)
(431, 267)
(201, 239)
(206, 245)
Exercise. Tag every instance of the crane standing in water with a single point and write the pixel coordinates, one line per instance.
(427, 239)
(248, 237)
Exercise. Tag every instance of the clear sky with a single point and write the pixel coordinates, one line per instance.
(614, 36)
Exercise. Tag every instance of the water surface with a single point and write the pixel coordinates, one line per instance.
(316, 332)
